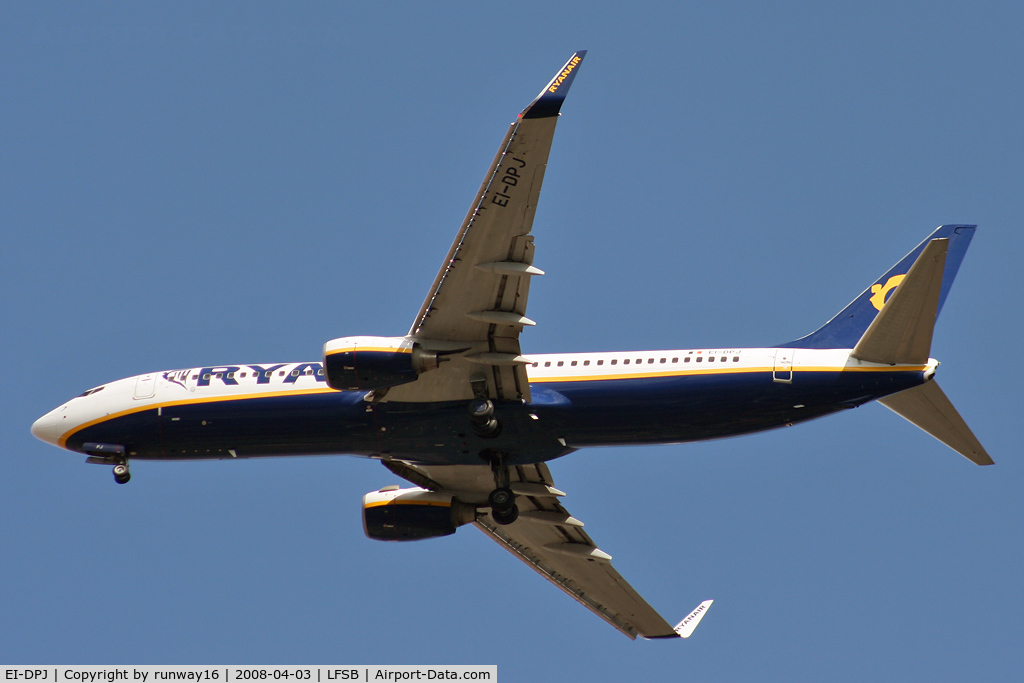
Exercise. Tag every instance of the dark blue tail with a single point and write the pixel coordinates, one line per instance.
(845, 329)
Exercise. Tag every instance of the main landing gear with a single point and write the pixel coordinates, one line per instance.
(502, 499)
(121, 473)
(481, 416)
(503, 506)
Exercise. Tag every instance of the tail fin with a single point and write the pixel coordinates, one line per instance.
(902, 332)
(849, 325)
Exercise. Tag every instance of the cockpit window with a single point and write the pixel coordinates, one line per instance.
(90, 392)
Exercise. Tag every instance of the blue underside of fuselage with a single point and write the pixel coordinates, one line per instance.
(563, 416)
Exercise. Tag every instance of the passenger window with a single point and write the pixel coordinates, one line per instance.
(218, 375)
(561, 363)
(675, 360)
(615, 360)
(700, 358)
(320, 372)
(197, 377)
(711, 359)
(686, 360)
(586, 363)
(662, 360)
(639, 361)
(600, 362)
(735, 359)
(206, 376)
(651, 360)
(573, 363)
(280, 373)
(536, 364)
(723, 359)
(295, 373)
(625, 362)
(547, 364)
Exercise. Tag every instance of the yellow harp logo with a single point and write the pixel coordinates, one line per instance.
(879, 292)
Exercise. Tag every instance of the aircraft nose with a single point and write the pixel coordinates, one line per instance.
(45, 428)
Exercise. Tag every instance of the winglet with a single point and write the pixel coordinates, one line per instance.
(685, 627)
(550, 99)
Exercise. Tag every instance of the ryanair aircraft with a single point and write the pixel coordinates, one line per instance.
(455, 407)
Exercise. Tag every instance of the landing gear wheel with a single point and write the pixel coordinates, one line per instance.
(481, 409)
(501, 499)
(481, 416)
(503, 505)
(121, 474)
(506, 517)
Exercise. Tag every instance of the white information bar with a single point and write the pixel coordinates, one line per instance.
(365, 673)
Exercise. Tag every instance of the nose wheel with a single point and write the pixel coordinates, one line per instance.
(121, 473)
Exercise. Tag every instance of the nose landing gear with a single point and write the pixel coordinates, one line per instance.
(121, 473)
(109, 454)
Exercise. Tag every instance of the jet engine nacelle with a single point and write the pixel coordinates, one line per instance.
(366, 363)
(394, 514)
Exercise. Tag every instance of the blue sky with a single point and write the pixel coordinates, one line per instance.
(197, 184)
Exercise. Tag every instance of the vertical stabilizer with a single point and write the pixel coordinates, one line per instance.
(849, 325)
(902, 332)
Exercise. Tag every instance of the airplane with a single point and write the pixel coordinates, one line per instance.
(455, 408)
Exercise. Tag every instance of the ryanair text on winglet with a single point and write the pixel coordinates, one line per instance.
(694, 614)
(560, 78)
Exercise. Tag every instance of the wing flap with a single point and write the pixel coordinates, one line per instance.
(479, 295)
(549, 540)
(495, 230)
(582, 571)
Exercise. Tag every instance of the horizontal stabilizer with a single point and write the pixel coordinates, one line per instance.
(927, 407)
(685, 627)
(902, 332)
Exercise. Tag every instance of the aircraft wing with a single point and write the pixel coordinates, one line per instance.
(476, 307)
(552, 542)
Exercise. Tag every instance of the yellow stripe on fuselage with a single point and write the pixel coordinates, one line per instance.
(62, 441)
(721, 371)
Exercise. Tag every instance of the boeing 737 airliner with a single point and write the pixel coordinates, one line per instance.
(455, 407)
